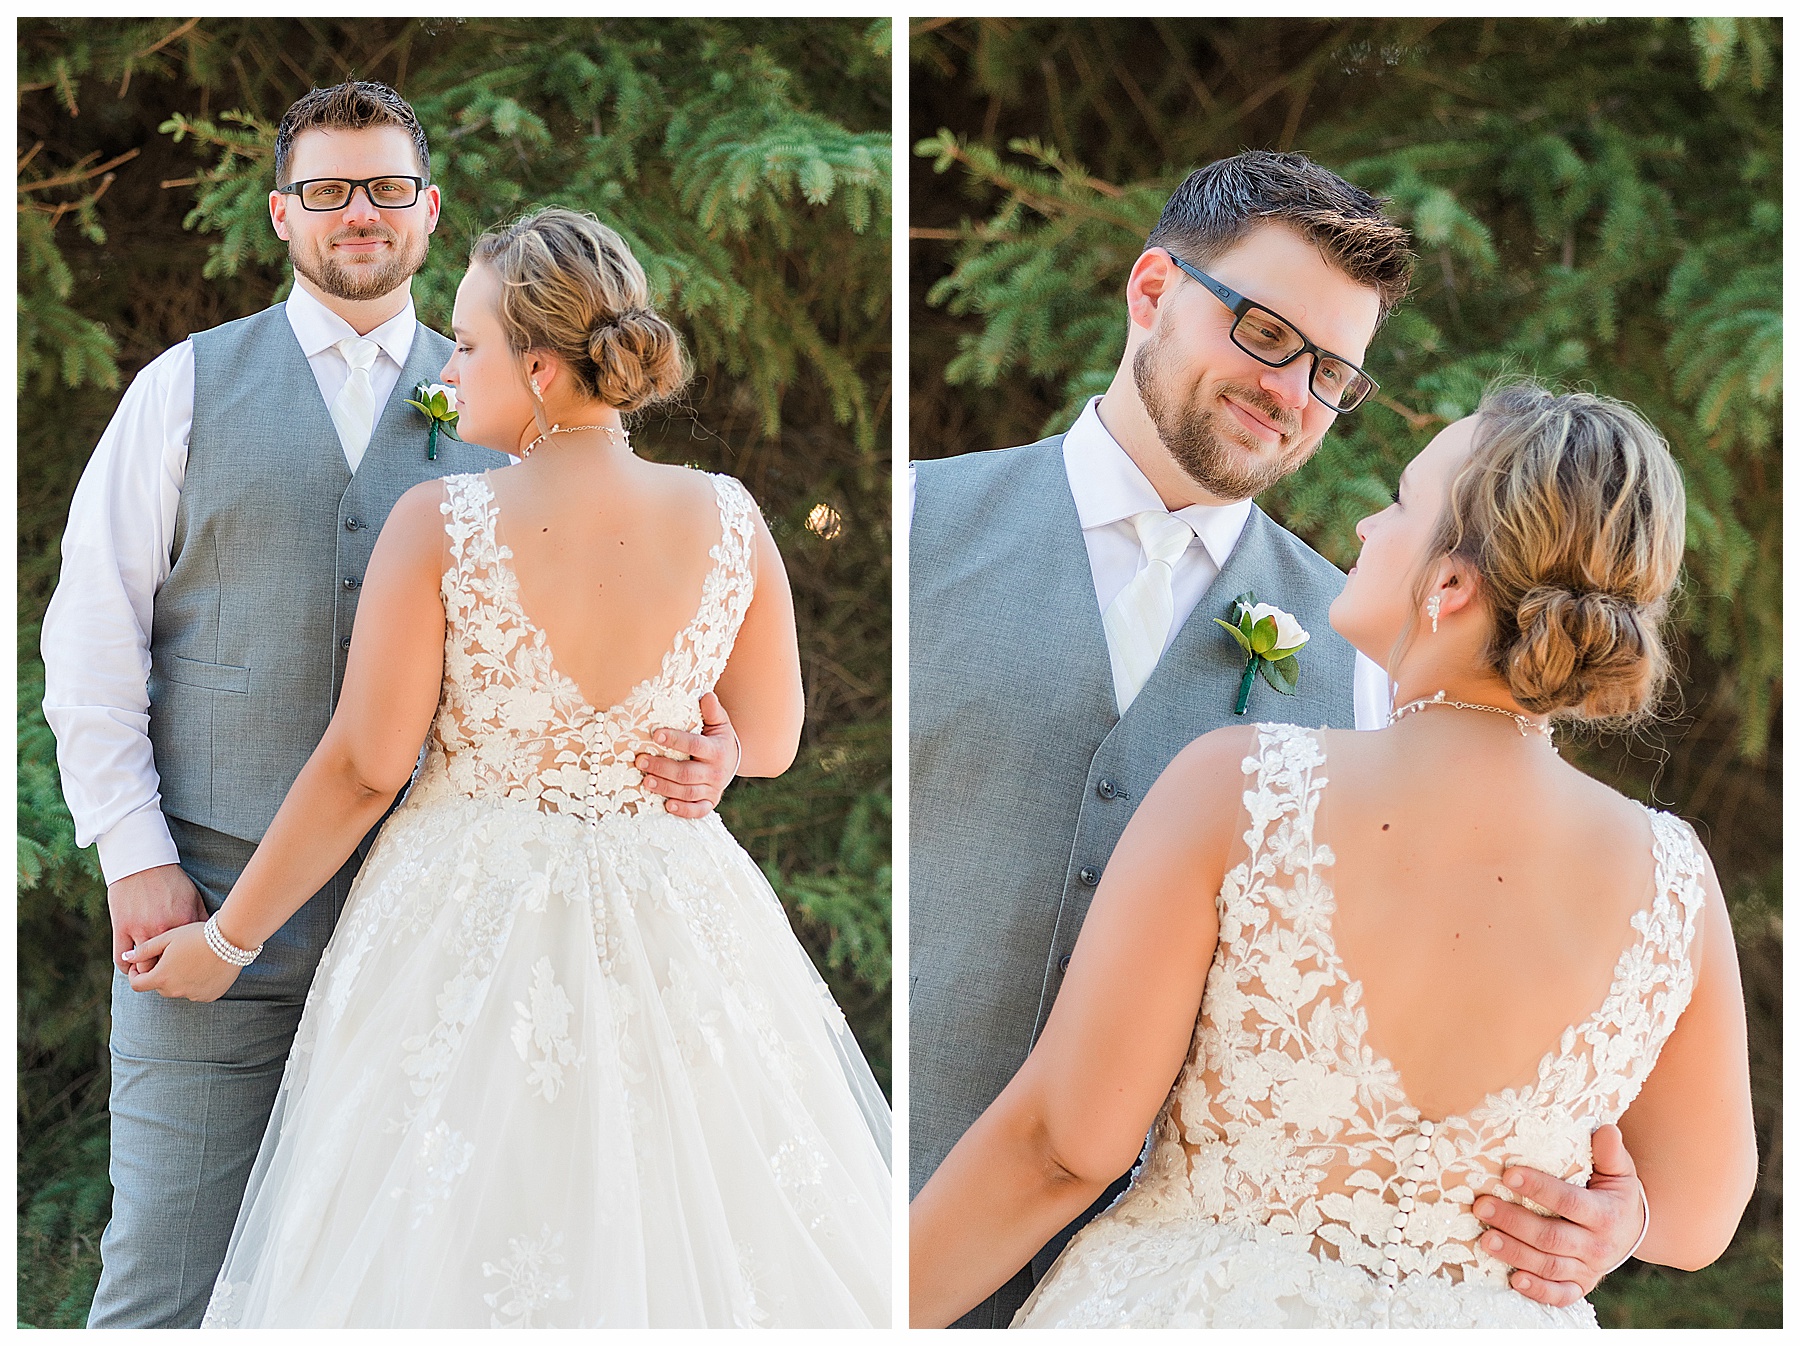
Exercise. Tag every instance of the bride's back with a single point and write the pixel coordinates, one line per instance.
(1441, 950)
(1481, 900)
(610, 561)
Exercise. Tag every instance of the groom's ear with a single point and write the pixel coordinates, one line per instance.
(1147, 286)
(278, 214)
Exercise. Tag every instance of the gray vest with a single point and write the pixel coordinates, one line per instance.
(272, 540)
(1023, 772)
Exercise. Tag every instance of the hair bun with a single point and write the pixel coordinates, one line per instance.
(637, 358)
(571, 286)
(1585, 649)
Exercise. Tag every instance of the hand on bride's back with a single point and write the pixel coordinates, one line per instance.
(693, 777)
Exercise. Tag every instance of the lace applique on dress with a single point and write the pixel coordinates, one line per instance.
(510, 723)
(1285, 1123)
(564, 1058)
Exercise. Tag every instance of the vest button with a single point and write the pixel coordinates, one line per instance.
(1106, 789)
(1062, 964)
(350, 581)
(352, 524)
(345, 642)
(1089, 875)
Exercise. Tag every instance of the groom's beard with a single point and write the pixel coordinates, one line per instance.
(364, 281)
(1193, 436)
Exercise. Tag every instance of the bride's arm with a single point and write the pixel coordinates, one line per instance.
(384, 711)
(1075, 1116)
(760, 687)
(1691, 1129)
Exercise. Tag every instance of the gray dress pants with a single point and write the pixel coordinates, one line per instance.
(192, 1089)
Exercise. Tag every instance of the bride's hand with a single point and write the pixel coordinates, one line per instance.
(179, 965)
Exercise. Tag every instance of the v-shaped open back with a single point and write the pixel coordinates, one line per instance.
(513, 591)
(511, 723)
(1285, 1118)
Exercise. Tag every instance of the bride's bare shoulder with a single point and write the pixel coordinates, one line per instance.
(1210, 770)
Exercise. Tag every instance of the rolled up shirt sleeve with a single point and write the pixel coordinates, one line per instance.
(96, 635)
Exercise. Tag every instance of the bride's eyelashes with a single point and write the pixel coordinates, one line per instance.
(1395, 493)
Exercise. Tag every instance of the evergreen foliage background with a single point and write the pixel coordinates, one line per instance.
(748, 164)
(1595, 203)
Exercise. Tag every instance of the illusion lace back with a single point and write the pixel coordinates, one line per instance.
(510, 724)
(563, 1062)
(1287, 1180)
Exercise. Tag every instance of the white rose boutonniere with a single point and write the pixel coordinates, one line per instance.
(1270, 638)
(438, 402)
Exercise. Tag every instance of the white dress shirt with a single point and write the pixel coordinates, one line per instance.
(1109, 488)
(115, 556)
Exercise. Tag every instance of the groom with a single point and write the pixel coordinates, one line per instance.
(1063, 652)
(195, 647)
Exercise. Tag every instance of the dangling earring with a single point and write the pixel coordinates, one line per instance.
(1432, 605)
(536, 391)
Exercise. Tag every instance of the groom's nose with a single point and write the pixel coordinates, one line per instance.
(1288, 385)
(359, 209)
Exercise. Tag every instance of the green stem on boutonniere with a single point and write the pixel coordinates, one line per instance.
(431, 443)
(1243, 701)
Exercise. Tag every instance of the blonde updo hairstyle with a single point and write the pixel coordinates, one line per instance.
(1571, 510)
(570, 286)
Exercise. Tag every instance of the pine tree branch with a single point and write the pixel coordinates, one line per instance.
(76, 174)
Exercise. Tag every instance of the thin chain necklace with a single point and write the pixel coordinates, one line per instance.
(613, 434)
(1525, 724)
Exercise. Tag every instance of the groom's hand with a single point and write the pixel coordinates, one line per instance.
(1590, 1231)
(144, 904)
(692, 789)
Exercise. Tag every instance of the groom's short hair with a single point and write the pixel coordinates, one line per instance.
(1218, 205)
(354, 105)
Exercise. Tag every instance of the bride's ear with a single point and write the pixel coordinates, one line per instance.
(1456, 587)
(540, 369)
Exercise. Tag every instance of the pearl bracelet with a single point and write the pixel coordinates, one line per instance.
(224, 948)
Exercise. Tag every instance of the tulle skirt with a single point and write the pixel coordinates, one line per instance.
(560, 1074)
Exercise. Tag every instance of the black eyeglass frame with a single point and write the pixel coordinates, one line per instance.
(1241, 304)
(299, 189)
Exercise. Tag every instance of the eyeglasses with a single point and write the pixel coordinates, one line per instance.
(1266, 336)
(384, 193)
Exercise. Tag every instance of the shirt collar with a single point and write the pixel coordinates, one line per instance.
(318, 329)
(1109, 487)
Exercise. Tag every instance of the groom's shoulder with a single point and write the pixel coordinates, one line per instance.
(969, 484)
(1288, 548)
(432, 337)
(989, 464)
(238, 328)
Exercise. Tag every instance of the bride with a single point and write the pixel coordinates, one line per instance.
(1415, 957)
(563, 1063)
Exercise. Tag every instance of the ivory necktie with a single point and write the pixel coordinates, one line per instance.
(1137, 621)
(353, 410)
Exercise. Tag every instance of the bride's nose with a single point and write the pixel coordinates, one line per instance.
(1362, 528)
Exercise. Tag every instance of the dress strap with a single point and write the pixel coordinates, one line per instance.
(1668, 926)
(737, 530)
(469, 521)
(1284, 789)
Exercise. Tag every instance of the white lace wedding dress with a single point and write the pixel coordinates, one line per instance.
(1287, 1181)
(564, 1062)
